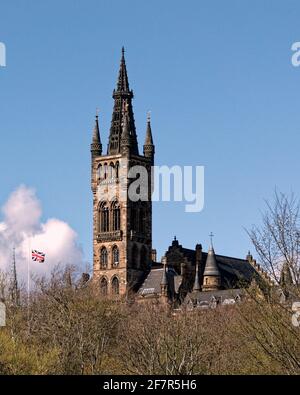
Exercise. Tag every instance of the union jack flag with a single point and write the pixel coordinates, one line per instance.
(38, 256)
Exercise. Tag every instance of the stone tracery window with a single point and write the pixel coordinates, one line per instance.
(111, 173)
(103, 286)
(99, 173)
(117, 170)
(103, 258)
(105, 171)
(115, 256)
(115, 286)
(116, 215)
(104, 217)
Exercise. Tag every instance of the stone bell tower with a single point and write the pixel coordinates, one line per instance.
(122, 223)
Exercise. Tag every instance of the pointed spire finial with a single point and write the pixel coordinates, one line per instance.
(211, 235)
(196, 283)
(123, 84)
(149, 148)
(96, 146)
(121, 94)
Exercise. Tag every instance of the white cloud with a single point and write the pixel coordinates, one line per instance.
(22, 228)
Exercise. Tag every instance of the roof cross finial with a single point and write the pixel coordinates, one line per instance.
(211, 235)
(149, 116)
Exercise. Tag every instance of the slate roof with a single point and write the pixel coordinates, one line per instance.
(152, 283)
(235, 274)
(234, 271)
(211, 266)
(225, 296)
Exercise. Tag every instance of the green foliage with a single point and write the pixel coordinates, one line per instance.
(17, 357)
(68, 328)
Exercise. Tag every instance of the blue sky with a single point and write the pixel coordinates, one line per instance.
(217, 77)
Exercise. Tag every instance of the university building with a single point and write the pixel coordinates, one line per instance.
(124, 261)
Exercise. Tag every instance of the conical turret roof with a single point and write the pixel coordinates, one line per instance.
(211, 266)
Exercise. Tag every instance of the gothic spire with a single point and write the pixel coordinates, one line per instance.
(121, 95)
(149, 146)
(15, 294)
(96, 146)
(123, 84)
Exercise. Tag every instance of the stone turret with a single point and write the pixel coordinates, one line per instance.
(96, 146)
(211, 275)
(149, 148)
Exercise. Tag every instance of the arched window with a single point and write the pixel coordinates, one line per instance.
(115, 286)
(115, 256)
(143, 258)
(111, 172)
(103, 286)
(105, 171)
(117, 170)
(114, 140)
(99, 173)
(104, 218)
(135, 256)
(116, 215)
(103, 258)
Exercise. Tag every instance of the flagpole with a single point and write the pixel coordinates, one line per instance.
(28, 279)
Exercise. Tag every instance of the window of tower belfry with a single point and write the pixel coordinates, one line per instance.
(104, 217)
(117, 170)
(115, 256)
(99, 172)
(105, 171)
(116, 215)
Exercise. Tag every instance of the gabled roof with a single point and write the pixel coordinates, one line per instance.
(233, 270)
(152, 283)
(225, 297)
